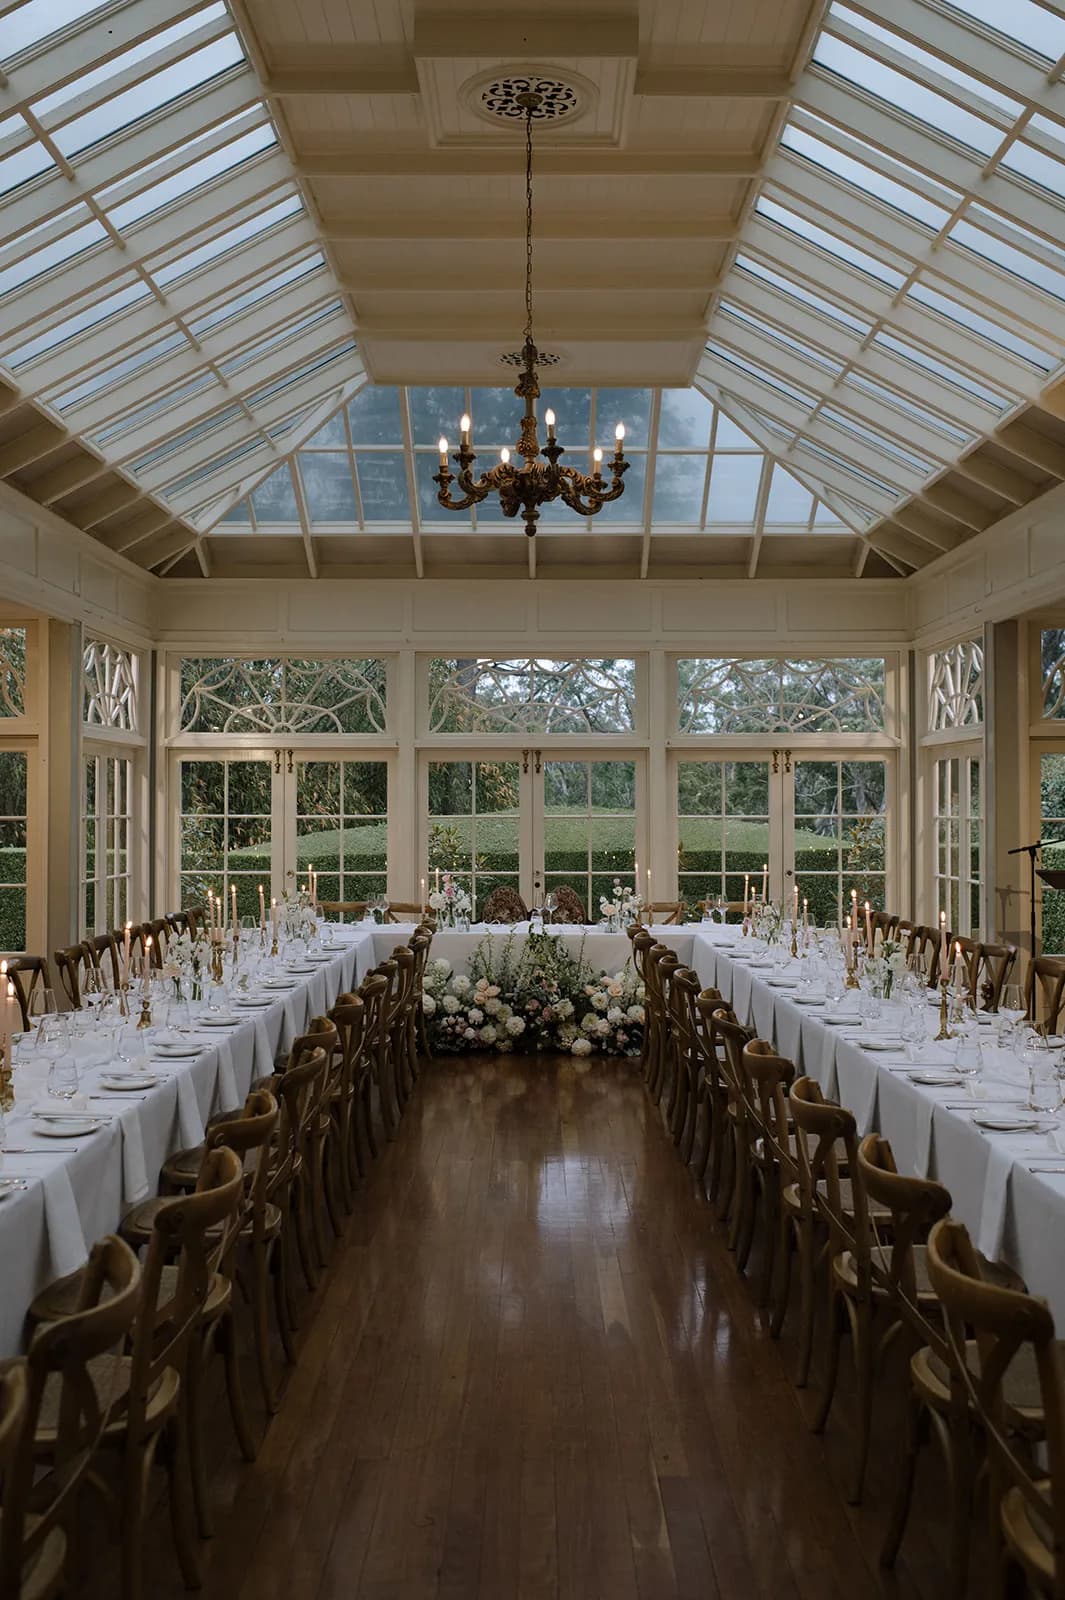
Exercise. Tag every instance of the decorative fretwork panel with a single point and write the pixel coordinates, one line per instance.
(531, 695)
(956, 687)
(110, 692)
(274, 696)
(12, 672)
(1053, 660)
(779, 696)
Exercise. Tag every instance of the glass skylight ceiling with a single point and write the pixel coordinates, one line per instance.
(879, 319)
(370, 468)
(162, 291)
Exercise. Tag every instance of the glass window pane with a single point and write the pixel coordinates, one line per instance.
(383, 486)
(328, 487)
(734, 482)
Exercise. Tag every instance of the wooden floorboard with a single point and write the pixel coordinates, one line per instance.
(531, 1371)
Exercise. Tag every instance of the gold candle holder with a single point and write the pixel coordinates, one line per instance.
(794, 943)
(944, 1029)
(123, 1003)
(7, 1077)
(217, 972)
(274, 951)
(145, 1018)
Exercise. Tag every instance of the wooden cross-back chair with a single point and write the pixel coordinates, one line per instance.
(988, 968)
(30, 976)
(733, 1197)
(683, 994)
(403, 911)
(924, 952)
(420, 942)
(991, 1332)
(348, 1016)
(188, 1235)
(711, 1094)
(106, 958)
(665, 912)
(72, 965)
(70, 1385)
(1045, 990)
(373, 992)
(343, 908)
(772, 1163)
(664, 962)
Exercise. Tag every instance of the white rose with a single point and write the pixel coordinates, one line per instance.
(589, 1022)
(436, 900)
(505, 1012)
(515, 1026)
(428, 1005)
(469, 1033)
(476, 1016)
(615, 1015)
(564, 1009)
(581, 1047)
(493, 990)
(492, 1007)
(602, 1026)
(599, 1000)
(450, 1004)
(488, 1034)
(635, 1013)
(461, 984)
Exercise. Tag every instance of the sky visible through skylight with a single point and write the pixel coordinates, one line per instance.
(371, 466)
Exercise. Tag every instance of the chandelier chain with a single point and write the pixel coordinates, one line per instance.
(528, 223)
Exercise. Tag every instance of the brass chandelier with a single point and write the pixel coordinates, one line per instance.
(525, 489)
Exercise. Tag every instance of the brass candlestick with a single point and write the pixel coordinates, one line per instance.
(794, 942)
(123, 1004)
(216, 961)
(273, 948)
(145, 1018)
(944, 1029)
(7, 1077)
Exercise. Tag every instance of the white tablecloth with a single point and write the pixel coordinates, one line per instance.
(75, 1195)
(605, 952)
(1013, 1214)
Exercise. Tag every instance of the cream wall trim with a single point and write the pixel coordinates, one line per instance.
(607, 616)
(50, 566)
(1011, 568)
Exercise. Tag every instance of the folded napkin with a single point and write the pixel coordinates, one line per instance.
(66, 1242)
(134, 1171)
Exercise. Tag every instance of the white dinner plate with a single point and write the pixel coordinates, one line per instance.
(218, 1022)
(323, 956)
(842, 1019)
(809, 999)
(935, 1080)
(279, 983)
(1012, 1122)
(128, 1080)
(891, 1045)
(783, 983)
(300, 971)
(61, 1127)
(177, 1052)
(256, 1004)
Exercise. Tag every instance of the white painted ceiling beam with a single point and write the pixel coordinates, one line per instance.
(580, 161)
(428, 222)
(503, 34)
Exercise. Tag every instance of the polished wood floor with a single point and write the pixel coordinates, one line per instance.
(533, 1371)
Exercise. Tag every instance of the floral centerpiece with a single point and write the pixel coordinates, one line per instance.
(543, 998)
(621, 908)
(451, 903)
(767, 921)
(886, 970)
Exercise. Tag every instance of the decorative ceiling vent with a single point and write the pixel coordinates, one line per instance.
(544, 358)
(495, 95)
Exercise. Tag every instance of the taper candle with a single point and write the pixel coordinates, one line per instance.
(746, 892)
(765, 881)
(943, 945)
(233, 901)
(868, 927)
(262, 907)
(147, 965)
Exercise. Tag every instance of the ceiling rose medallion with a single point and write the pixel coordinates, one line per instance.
(523, 490)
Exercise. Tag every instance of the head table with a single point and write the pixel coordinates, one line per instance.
(78, 1191)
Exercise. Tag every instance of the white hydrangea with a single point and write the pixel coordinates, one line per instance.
(635, 1013)
(428, 1005)
(564, 1010)
(461, 984)
(450, 1004)
(615, 1015)
(581, 1047)
(493, 1006)
(590, 1022)
(476, 1016)
(504, 1013)
(602, 1026)
(515, 1026)
(442, 964)
(488, 1034)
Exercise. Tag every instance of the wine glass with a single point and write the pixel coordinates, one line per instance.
(41, 1004)
(1011, 1005)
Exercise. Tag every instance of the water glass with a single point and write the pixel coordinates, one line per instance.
(914, 1031)
(869, 1006)
(1011, 1005)
(1044, 1087)
(63, 1077)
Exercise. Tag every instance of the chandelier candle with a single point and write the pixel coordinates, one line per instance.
(523, 490)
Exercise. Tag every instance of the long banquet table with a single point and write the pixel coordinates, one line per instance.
(1014, 1214)
(77, 1192)
(74, 1195)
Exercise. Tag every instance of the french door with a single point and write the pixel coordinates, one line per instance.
(817, 821)
(532, 820)
(249, 817)
(1048, 758)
